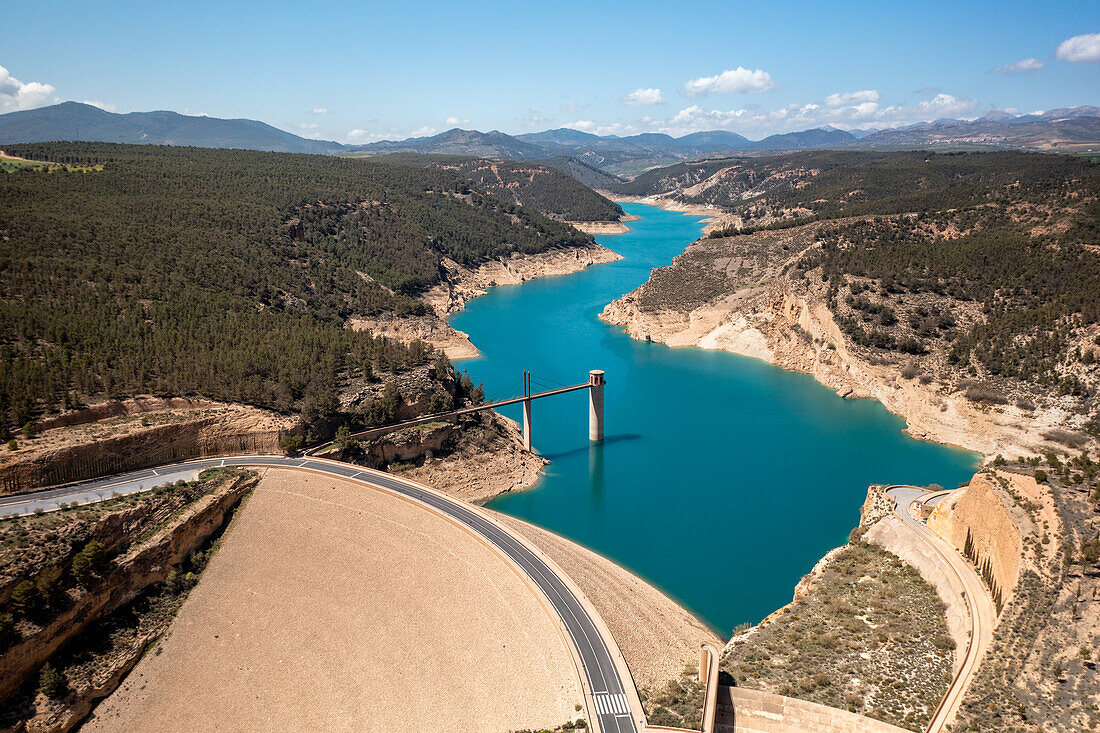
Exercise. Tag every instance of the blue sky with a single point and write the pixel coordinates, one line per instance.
(365, 71)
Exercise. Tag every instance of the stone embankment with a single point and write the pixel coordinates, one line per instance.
(116, 437)
(475, 465)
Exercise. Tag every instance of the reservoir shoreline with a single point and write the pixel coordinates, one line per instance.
(584, 493)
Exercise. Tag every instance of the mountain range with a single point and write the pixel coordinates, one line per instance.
(77, 121)
(1068, 129)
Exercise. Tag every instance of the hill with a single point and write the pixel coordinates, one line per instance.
(226, 274)
(834, 183)
(981, 267)
(545, 189)
(76, 121)
(590, 176)
(1065, 129)
(461, 142)
(542, 187)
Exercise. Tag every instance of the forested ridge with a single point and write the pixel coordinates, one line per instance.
(223, 273)
(1017, 234)
(985, 265)
(832, 183)
(544, 188)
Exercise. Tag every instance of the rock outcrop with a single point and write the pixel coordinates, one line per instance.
(134, 571)
(116, 437)
(738, 294)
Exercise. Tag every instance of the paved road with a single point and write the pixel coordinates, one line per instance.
(983, 616)
(98, 490)
(609, 691)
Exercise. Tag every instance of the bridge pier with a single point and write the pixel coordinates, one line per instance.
(596, 383)
(527, 412)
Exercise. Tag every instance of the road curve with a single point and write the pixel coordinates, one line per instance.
(608, 695)
(983, 616)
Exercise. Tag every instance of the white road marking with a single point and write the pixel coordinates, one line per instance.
(612, 705)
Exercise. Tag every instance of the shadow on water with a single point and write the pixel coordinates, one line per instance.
(590, 448)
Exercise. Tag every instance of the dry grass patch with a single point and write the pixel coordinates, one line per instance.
(867, 634)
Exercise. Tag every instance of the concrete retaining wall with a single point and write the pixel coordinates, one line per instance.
(753, 711)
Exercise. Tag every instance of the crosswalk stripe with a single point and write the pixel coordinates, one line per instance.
(611, 704)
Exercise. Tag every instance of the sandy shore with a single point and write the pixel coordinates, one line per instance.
(715, 218)
(601, 227)
(334, 607)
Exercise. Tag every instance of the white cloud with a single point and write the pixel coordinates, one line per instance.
(320, 111)
(365, 136)
(457, 121)
(1023, 66)
(15, 95)
(534, 118)
(105, 106)
(643, 97)
(853, 110)
(861, 97)
(424, 131)
(615, 128)
(944, 105)
(568, 106)
(308, 126)
(731, 81)
(1081, 49)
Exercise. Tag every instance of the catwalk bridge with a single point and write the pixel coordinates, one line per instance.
(594, 385)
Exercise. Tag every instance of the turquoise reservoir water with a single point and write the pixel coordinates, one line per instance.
(722, 479)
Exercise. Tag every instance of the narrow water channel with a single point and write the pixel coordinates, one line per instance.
(722, 479)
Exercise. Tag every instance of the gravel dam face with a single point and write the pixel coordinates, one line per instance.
(722, 479)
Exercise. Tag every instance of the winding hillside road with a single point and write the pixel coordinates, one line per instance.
(610, 693)
(983, 616)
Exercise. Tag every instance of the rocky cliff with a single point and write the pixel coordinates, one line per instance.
(141, 565)
(121, 436)
(744, 294)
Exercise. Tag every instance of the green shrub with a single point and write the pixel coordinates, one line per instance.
(25, 601)
(290, 443)
(52, 683)
(49, 587)
(88, 563)
(8, 635)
